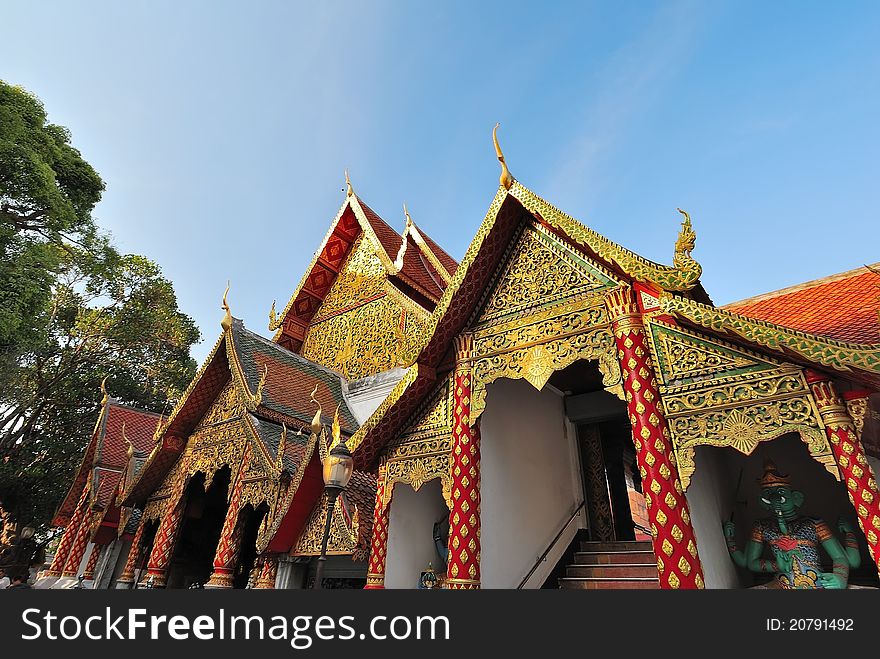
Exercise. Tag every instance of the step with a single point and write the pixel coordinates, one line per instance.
(648, 570)
(575, 583)
(613, 557)
(620, 545)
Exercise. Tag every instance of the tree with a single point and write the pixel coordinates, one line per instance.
(72, 311)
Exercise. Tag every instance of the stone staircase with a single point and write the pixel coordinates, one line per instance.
(612, 566)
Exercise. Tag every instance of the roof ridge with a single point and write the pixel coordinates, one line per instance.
(115, 402)
(803, 286)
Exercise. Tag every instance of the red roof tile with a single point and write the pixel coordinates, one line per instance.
(843, 306)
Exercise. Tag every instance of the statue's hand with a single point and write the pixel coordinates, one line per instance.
(832, 581)
(844, 526)
(729, 530)
(783, 560)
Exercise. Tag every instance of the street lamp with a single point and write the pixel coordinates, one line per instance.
(338, 466)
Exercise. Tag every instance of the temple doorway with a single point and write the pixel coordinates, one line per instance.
(247, 556)
(612, 486)
(193, 558)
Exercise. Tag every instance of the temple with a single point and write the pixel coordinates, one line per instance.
(553, 411)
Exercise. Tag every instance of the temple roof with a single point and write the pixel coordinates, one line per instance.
(845, 306)
(416, 275)
(273, 383)
(681, 296)
(106, 455)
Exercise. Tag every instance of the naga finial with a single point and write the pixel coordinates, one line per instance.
(316, 421)
(506, 178)
(687, 239)
(335, 431)
(398, 261)
(282, 445)
(130, 449)
(226, 323)
(104, 395)
(406, 212)
(273, 318)
(349, 191)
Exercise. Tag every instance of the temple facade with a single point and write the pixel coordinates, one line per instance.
(553, 411)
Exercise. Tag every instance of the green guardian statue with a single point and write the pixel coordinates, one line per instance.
(793, 540)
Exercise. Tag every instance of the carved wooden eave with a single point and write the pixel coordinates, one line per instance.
(859, 363)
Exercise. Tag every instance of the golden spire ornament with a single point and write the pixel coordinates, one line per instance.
(349, 191)
(506, 179)
(104, 395)
(273, 318)
(226, 323)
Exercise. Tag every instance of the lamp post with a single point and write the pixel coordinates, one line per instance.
(338, 466)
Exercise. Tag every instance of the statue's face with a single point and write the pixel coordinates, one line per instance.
(782, 501)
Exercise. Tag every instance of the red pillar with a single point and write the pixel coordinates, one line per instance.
(70, 531)
(463, 567)
(855, 471)
(80, 542)
(92, 563)
(163, 543)
(379, 537)
(268, 573)
(229, 545)
(127, 575)
(675, 546)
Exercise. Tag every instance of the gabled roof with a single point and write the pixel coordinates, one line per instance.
(106, 455)
(845, 306)
(511, 206)
(273, 383)
(413, 276)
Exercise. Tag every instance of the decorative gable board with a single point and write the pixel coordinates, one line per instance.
(685, 357)
(539, 272)
(360, 330)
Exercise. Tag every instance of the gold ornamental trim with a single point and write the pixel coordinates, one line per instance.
(827, 352)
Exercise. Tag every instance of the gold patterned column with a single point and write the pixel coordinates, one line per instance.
(463, 568)
(379, 538)
(80, 543)
(127, 576)
(268, 573)
(92, 563)
(675, 545)
(861, 483)
(70, 531)
(165, 540)
(229, 544)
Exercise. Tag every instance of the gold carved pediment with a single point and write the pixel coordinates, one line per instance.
(540, 271)
(344, 536)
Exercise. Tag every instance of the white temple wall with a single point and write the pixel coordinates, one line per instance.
(410, 533)
(710, 498)
(530, 482)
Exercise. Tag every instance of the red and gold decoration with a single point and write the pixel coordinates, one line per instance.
(163, 544)
(229, 544)
(268, 573)
(379, 537)
(675, 546)
(463, 568)
(79, 545)
(127, 575)
(92, 563)
(67, 538)
(855, 471)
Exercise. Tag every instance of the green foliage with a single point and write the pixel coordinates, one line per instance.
(72, 311)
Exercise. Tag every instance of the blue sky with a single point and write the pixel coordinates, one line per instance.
(222, 129)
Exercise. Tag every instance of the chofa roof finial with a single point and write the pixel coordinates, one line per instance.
(506, 178)
(687, 238)
(226, 323)
(104, 395)
(349, 191)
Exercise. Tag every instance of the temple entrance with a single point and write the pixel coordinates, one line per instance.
(612, 486)
(192, 562)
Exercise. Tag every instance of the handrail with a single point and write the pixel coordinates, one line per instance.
(552, 544)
